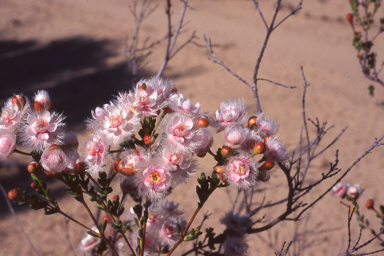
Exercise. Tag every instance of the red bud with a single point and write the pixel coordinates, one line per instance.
(369, 204)
(19, 101)
(226, 151)
(252, 122)
(33, 167)
(349, 17)
(15, 195)
(202, 122)
(259, 148)
(267, 165)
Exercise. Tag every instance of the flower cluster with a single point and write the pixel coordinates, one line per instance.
(241, 144)
(346, 190)
(161, 230)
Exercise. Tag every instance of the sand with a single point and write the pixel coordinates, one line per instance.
(76, 51)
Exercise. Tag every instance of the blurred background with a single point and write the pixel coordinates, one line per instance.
(76, 50)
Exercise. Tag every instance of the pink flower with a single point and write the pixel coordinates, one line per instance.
(7, 143)
(275, 150)
(235, 246)
(234, 135)
(230, 112)
(177, 160)
(179, 128)
(41, 130)
(96, 150)
(89, 242)
(266, 126)
(180, 104)
(201, 142)
(241, 170)
(147, 98)
(251, 139)
(154, 181)
(13, 112)
(340, 189)
(354, 191)
(54, 159)
(114, 122)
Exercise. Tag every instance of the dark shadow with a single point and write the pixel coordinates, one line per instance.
(74, 71)
(78, 78)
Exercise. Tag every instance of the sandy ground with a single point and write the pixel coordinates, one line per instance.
(75, 50)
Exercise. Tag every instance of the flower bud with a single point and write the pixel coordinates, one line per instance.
(202, 122)
(226, 151)
(369, 204)
(266, 138)
(115, 198)
(19, 102)
(201, 155)
(125, 170)
(15, 195)
(115, 164)
(33, 167)
(259, 148)
(105, 218)
(129, 185)
(53, 159)
(142, 86)
(80, 168)
(252, 122)
(349, 17)
(267, 165)
(148, 140)
(264, 175)
(219, 168)
(42, 101)
(34, 185)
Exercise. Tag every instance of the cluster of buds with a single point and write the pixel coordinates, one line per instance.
(346, 190)
(242, 143)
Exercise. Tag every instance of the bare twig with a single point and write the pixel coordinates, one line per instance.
(17, 220)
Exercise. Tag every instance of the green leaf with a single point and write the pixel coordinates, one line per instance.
(99, 206)
(92, 234)
(367, 222)
(179, 230)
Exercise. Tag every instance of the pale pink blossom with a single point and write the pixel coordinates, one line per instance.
(230, 112)
(96, 150)
(114, 122)
(236, 223)
(41, 130)
(177, 160)
(201, 141)
(180, 104)
(147, 99)
(154, 181)
(179, 128)
(54, 159)
(266, 126)
(7, 143)
(251, 139)
(275, 150)
(89, 242)
(73, 158)
(235, 246)
(241, 170)
(340, 189)
(13, 113)
(354, 191)
(234, 136)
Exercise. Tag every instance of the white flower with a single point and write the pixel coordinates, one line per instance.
(7, 143)
(234, 135)
(230, 112)
(180, 104)
(13, 112)
(275, 150)
(96, 150)
(41, 130)
(266, 126)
